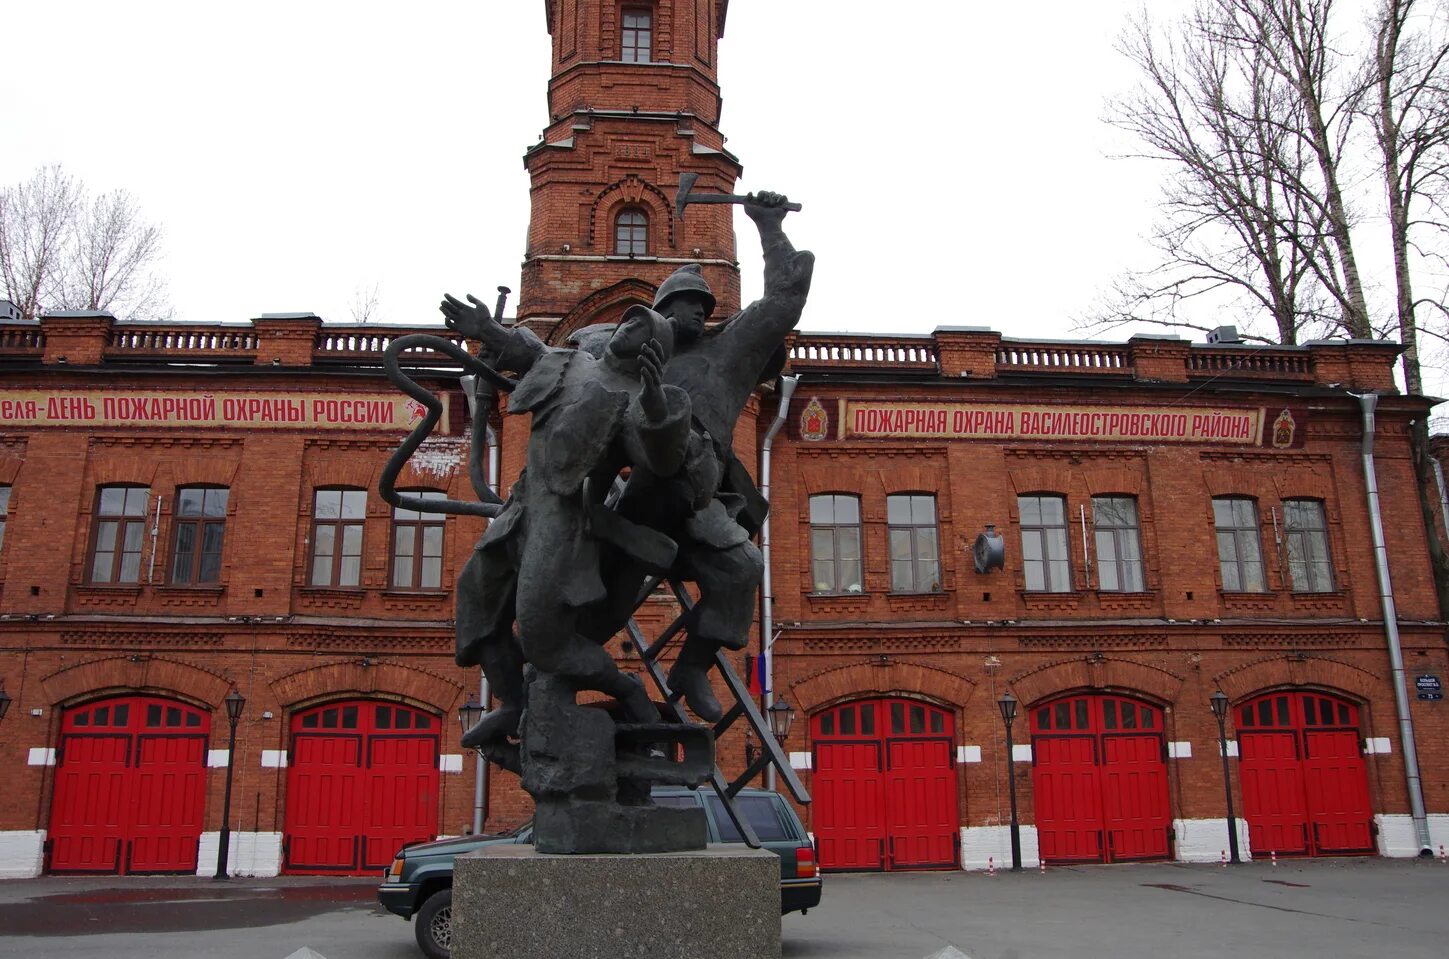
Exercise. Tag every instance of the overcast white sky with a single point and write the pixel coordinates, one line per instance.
(297, 152)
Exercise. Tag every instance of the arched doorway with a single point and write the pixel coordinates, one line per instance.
(884, 786)
(130, 787)
(362, 780)
(1099, 780)
(1304, 781)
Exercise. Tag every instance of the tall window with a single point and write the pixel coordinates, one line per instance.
(1119, 544)
(417, 545)
(631, 232)
(1240, 551)
(199, 522)
(1044, 543)
(637, 38)
(4, 512)
(120, 532)
(915, 561)
(337, 517)
(1308, 564)
(835, 543)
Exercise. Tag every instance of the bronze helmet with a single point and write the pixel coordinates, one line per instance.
(686, 279)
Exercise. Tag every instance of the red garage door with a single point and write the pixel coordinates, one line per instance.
(885, 786)
(1099, 778)
(362, 780)
(130, 787)
(1305, 786)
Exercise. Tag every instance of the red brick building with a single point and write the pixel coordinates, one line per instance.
(191, 509)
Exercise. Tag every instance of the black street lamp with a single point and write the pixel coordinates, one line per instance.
(1219, 703)
(780, 717)
(470, 713)
(1007, 704)
(234, 703)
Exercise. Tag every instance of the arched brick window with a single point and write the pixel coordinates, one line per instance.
(835, 543)
(631, 232)
(417, 545)
(119, 534)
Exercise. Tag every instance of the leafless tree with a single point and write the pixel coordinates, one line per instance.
(1407, 74)
(364, 304)
(1245, 103)
(1273, 126)
(35, 228)
(62, 250)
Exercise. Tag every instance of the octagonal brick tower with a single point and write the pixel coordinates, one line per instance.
(633, 102)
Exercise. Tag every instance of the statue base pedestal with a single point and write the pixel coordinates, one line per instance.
(513, 902)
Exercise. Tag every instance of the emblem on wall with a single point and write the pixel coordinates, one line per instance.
(1283, 428)
(814, 421)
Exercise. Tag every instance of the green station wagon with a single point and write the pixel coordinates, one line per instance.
(420, 881)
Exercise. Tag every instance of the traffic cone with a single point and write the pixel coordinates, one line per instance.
(1274, 854)
(1041, 863)
(1441, 855)
(990, 865)
(1225, 859)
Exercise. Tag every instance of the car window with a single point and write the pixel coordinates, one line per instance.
(676, 802)
(761, 812)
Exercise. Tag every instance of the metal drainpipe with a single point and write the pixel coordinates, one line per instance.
(1367, 402)
(480, 772)
(767, 596)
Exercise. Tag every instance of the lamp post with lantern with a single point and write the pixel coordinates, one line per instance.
(468, 716)
(1007, 705)
(234, 704)
(1219, 703)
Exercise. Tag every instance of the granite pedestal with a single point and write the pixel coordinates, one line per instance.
(512, 902)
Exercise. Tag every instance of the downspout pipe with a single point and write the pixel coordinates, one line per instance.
(473, 392)
(1367, 403)
(767, 594)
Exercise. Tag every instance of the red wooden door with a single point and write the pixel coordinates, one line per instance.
(130, 787)
(1099, 780)
(1134, 797)
(1274, 803)
(921, 825)
(884, 786)
(848, 808)
(362, 780)
(1305, 784)
(1068, 798)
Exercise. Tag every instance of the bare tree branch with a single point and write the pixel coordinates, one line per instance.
(60, 250)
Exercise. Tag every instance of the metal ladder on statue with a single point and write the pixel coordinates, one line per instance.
(771, 753)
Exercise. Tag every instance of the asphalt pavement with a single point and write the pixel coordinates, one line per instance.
(1386, 909)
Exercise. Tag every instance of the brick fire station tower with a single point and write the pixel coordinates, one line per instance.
(633, 102)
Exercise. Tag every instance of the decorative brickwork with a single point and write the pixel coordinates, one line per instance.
(367, 678)
(1096, 673)
(886, 677)
(137, 673)
(1279, 672)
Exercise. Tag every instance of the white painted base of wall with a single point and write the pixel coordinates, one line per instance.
(22, 853)
(254, 854)
(1397, 839)
(1206, 840)
(978, 843)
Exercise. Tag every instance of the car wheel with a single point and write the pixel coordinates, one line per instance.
(434, 925)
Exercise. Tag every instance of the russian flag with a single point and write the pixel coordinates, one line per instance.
(758, 682)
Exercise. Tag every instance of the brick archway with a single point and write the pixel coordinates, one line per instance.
(318, 683)
(604, 306)
(880, 679)
(136, 674)
(1101, 672)
(1290, 670)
